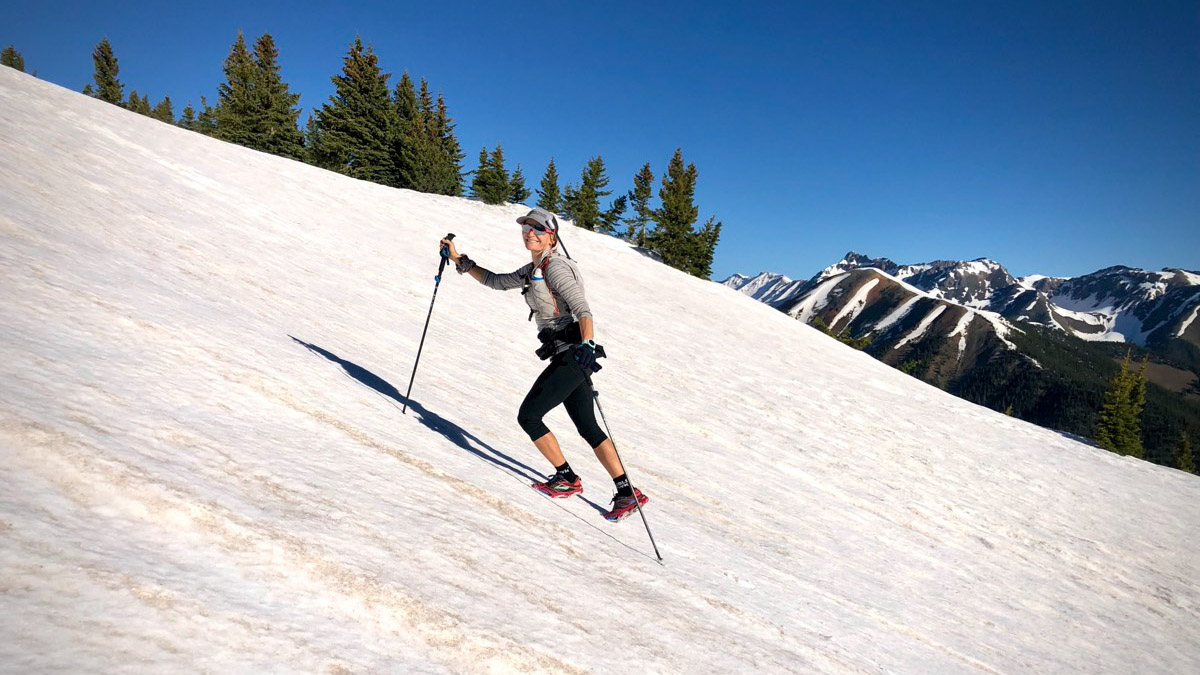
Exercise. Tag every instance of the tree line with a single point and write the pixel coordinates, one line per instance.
(404, 137)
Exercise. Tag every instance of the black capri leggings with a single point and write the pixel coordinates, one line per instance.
(561, 382)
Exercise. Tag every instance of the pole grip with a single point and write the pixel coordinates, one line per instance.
(445, 257)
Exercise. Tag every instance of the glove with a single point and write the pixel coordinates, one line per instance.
(585, 355)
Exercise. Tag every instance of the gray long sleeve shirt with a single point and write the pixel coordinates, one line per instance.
(555, 291)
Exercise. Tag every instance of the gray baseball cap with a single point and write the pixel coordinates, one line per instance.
(540, 217)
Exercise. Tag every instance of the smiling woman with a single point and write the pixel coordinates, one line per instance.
(553, 288)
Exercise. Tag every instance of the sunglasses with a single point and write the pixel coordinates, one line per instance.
(526, 228)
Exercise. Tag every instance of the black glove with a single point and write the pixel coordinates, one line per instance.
(585, 355)
(464, 264)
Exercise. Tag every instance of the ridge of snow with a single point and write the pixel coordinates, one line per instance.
(1183, 326)
(856, 304)
(961, 330)
(897, 314)
(816, 300)
(917, 332)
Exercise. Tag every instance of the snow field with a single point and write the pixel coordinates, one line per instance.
(205, 465)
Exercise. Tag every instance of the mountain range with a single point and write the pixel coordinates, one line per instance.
(1033, 345)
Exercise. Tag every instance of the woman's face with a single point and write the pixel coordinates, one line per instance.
(534, 240)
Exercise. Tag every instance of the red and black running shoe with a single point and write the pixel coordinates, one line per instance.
(623, 507)
(556, 486)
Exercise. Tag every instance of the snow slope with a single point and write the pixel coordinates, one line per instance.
(205, 467)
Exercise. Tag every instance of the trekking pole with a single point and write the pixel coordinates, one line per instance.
(437, 281)
(596, 397)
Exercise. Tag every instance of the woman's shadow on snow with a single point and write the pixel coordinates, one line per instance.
(451, 431)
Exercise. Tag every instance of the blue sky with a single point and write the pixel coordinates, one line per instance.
(1055, 137)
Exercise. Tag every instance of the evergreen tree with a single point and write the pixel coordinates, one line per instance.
(450, 167)
(491, 183)
(639, 198)
(139, 104)
(673, 237)
(408, 134)
(1184, 460)
(612, 217)
(276, 132)
(518, 193)
(188, 120)
(584, 204)
(357, 126)
(314, 146)
(237, 113)
(1118, 428)
(108, 87)
(704, 247)
(424, 143)
(88, 91)
(503, 184)
(549, 196)
(206, 119)
(12, 58)
(164, 111)
(570, 200)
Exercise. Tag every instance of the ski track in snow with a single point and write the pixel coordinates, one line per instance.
(206, 468)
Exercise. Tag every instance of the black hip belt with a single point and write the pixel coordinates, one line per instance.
(551, 339)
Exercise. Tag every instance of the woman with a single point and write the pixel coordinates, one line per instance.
(553, 290)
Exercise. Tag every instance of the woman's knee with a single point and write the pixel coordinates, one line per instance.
(532, 424)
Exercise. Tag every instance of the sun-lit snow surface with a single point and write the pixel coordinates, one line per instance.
(187, 488)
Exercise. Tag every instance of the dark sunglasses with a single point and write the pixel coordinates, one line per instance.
(540, 229)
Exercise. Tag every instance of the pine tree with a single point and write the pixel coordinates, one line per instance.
(188, 120)
(584, 204)
(89, 91)
(358, 123)
(549, 196)
(276, 131)
(672, 237)
(408, 134)
(450, 167)
(518, 193)
(1137, 403)
(12, 58)
(1118, 428)
(1184, 460)
(481, 177)
(500, 184)
(704, 249)
(639, 198)
(612, 217)
(570, 201)
(164, 111)
(237, 113)
(490, 184)
(314, 145)
(419, 145)
(206, 119)
(139, 104)
(108, 87)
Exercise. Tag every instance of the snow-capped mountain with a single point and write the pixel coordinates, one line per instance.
(773, 289)
(1117, 304)
(973, 329)
(1134, 305)
(205, 467)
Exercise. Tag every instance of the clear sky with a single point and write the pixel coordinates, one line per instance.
(1055, 137)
